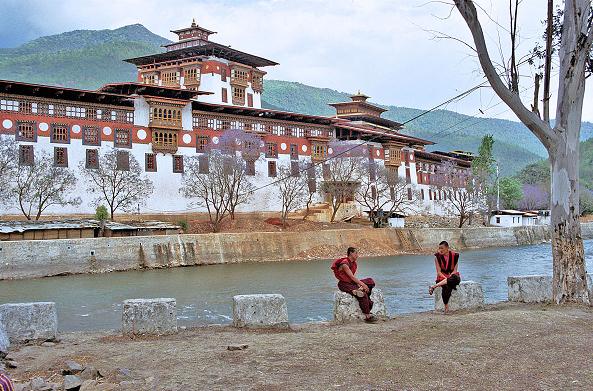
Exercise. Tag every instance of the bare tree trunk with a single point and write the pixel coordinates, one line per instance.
(535, 105)
(562, 142)
(548, 63)
(569, 281)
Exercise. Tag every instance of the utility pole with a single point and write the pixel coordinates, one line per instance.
(497, 189)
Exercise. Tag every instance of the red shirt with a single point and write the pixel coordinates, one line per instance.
(340, 274)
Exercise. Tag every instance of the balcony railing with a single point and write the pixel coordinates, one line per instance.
(239, 81)
(165, 123)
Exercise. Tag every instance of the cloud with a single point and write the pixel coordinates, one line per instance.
(378, 46)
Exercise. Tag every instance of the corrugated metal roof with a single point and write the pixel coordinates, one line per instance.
(8, 227)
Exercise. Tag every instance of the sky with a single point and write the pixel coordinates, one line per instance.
(386, 48)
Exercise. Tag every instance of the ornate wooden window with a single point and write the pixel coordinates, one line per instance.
(272, 168)
(113, 115)
(73, 111)
(240, 76)
(9, 105)
(99, 114)
(225, 98)
(26, 155)
(165, 116)
(393, 156)
(250, 167)
(211, 123)
(60, 133)
(122, 161)
(294, 169)
(318, 151)
(257, 82)
(202, 143)
(294, 152)
(170, 78)
(178, 164)
(150, 78)
(130, 117)
(271, 150)
(191, 76)
(238, 95)
(122, 138)
(203, 164)
(164, 141)
(29, 107)
(91, 135)
(60, 157)
(249, 100)
(92, 159)
(25, 131)
(59, 110)
(150, 162)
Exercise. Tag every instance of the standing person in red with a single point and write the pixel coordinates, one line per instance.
(446, 262)
(345, 269)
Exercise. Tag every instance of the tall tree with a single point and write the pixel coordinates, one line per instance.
(292, 188)
(382, 194)
(8, 165)
(511, 192)
(561, 140)
(461, 194)
(41, 184)
(484, 170)
(118, 181)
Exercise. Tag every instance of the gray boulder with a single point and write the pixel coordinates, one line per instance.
(468, 295)
(530, 289)
(72, 382)
(346, 307)
(149, 316)
(260, 311)
(4, 342)
(29, 321)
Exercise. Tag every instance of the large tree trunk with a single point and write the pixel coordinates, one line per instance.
(569, 281)
(562, 142)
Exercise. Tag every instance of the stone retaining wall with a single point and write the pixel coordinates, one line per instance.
(29, 259)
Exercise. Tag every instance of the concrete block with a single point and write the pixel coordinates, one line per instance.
(4, 342)
(260, 311)
(149, 316)
(347, 309)
(29, 321)
(530, 289)
(469, 294)
(590, 285)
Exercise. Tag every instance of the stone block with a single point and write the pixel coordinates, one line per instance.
(29, 321)
(260, 311)
(149, 316)
(4, 342)
(347, 309)
(590, 285)
(530, 289)
(469, 294)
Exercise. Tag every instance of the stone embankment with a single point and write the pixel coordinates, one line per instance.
(30, 259)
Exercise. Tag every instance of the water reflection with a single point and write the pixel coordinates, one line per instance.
(93, 302)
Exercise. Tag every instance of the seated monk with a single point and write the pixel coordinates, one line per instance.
(446, 262)
(345, 269)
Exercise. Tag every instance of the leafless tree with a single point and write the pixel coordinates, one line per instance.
(460, 193)
(118, 181)
(292, 188)
(382, 193)
(312, 190)
(8, 165)
(561, 140)
(41, 184)
(341, 174)
(232, 143)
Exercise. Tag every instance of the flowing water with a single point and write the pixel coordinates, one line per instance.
(204, 293)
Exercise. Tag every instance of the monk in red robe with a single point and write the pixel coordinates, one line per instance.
(345, 269)
(446, 262)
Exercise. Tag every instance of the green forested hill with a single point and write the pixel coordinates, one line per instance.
(81, 58)
(89, 59)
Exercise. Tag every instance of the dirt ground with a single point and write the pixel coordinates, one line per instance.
(504, 347)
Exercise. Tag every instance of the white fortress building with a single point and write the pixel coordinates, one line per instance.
(183, 100)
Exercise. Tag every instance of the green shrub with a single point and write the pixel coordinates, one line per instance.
(184, 226)
(101, 213)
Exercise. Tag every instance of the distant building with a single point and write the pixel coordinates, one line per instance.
(180, 105)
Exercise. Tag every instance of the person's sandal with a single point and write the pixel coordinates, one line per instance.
(430, 290)
(358, 292)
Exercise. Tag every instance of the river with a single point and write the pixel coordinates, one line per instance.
(204, 293)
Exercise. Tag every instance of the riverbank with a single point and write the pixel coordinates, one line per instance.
(504, 347)
(42, 258)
